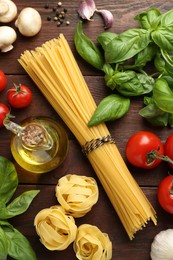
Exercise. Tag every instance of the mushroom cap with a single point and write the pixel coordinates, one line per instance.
(8, 11)
(29, 22)
(7, 37)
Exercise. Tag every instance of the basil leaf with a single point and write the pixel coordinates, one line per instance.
(153, 114)
(118, 78)
(3, 245)
(105, 37)
(110, 108)
(8, 180)
(163, 38)
(138, 85)
(126, 45)
(18, 246)
(149, 19)
(167, 19)
(159, 63)
(87, 49)
(145, 55)
(168, 62)
(163, 96)
(19, 205)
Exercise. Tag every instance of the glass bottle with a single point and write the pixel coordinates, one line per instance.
(38, 144)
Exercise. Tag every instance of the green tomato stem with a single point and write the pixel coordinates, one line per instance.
(154, 155)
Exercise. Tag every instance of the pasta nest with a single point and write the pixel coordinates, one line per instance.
(56, 229)
(77, 194)
(92, 244)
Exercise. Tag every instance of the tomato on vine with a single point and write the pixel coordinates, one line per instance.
(4, 110)
(165, 194)
(3, 80)
(19, 96)
(168, 148)
(144, 149)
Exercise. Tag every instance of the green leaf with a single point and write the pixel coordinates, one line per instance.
(126, 45)
(19, 205)
(159, 63)
(110, 108)
(118, 78)
(149, 19)
(154, 115)
(163, 38)
(18, 246)
(140, 84)
(87, 49)
(145, 55)
(168, 59)
(163, 96)
(8, 180)
(167, 19)
(3, 245)
(105, 37)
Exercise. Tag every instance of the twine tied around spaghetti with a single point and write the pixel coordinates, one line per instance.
(93, 144)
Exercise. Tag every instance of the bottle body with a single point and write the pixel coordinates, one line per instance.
(41, 160)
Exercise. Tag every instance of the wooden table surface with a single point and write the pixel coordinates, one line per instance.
(102, 215)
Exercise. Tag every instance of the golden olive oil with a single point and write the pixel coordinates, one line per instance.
(41, 160)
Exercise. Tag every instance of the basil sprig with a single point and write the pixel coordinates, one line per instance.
(13, 242)
(110, 108)
(123, 60)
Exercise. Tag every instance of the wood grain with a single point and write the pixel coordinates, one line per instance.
(103, 214)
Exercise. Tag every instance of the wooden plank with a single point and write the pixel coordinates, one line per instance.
(102, 215)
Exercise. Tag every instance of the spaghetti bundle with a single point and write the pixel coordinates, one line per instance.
(53, 68)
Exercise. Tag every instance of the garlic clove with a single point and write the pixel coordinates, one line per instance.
(161, 247)
(107, 17)
(86, 9)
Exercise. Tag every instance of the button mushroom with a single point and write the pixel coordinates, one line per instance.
(29, 22)
(8, 11)
(7, 37)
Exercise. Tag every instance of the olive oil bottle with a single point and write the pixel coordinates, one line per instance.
(38, 144)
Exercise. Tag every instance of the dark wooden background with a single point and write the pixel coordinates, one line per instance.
(102, 214)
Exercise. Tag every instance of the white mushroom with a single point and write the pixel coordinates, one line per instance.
(29, 22)
(7, 37)
(8, 11)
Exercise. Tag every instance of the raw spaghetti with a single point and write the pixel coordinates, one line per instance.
(54, 69)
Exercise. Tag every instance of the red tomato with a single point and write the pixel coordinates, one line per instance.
(168, 148)
(19, 96)
(3, 111)
(138, 147)
(3, 80)
(165, 194)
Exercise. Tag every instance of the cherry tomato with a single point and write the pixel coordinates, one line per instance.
(3, 111)
(168, 148)
(165, 194)
(3, 80)
(138, 147)
(19, 96)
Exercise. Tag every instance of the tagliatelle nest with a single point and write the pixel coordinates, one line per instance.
(56, 229)
(77, 194)
(92, 244)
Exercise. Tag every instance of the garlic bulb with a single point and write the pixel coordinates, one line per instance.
(162, 246)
